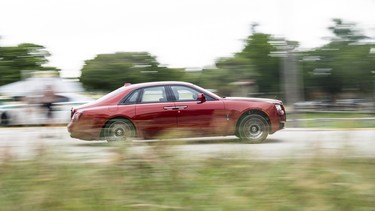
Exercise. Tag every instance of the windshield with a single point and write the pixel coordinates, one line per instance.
(209, 92)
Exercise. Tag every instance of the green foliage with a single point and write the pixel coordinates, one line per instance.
(26, 56)
(258, 49)
(110, 71)
(161, 179)
(253, 64)
(344, 64)
(345, 31)
(228, 70)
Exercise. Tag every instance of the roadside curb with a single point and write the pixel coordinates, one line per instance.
(325, 129)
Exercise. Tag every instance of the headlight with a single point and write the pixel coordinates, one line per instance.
(279, 109)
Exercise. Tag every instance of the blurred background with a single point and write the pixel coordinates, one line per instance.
(315, 56)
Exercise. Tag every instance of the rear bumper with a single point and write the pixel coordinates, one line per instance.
(83, 131)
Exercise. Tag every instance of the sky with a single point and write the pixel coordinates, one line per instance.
(180, 33)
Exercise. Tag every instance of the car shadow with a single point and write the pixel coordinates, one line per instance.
(193, 141)
(230, 141)
(272, 141)
(201, 141)
(93, 144)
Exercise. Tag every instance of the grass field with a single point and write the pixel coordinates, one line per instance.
(162, 180)
(334, 120)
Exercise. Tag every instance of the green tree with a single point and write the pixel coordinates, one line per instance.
(232, 69)
(342, 65)
(257, 62)
(15, 59)
(345, 31)
(258, 50)
(109, 71)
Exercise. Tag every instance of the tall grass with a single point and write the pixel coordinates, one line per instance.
(160, 179)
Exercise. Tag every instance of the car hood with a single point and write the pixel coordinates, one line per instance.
(250, 99)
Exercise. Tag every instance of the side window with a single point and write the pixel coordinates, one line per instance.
(183, 93)
(132, 99)
(154, 94)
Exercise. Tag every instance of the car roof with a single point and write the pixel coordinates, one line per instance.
(159, 83)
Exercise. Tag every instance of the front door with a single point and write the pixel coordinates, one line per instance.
(207, 118)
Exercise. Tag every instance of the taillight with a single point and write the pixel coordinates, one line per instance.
(76, 115)
(72, 111)
(280, 109)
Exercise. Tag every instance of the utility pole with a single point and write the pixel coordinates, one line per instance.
(291, 81)
(373, 91)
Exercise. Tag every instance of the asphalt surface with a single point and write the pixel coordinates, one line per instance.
(27, 142)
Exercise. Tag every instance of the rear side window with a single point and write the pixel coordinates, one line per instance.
(132, 99)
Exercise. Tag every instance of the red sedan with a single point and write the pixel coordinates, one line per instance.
(149, 109)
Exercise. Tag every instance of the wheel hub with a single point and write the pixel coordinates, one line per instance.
(254, 129)
(119, 132)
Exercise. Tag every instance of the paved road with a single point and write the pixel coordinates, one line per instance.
(26, 142)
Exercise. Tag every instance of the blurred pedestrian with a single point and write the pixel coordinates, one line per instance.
(47, 101)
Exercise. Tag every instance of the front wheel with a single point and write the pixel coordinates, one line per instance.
(119, 130)
(253, 129)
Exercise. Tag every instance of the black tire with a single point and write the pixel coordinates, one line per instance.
(119, 130)
(253, 129)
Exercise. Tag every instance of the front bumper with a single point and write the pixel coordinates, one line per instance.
(281, 125)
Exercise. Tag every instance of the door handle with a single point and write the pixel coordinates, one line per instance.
(170, 108)
(174, 107)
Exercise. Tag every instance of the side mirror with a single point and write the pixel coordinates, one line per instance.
(201, 98)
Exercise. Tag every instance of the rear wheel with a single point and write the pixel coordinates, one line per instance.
(253, 129)
(119, 130)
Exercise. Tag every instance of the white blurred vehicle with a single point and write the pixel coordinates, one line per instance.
(357, 104)
(28, 112)
(307, 105)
